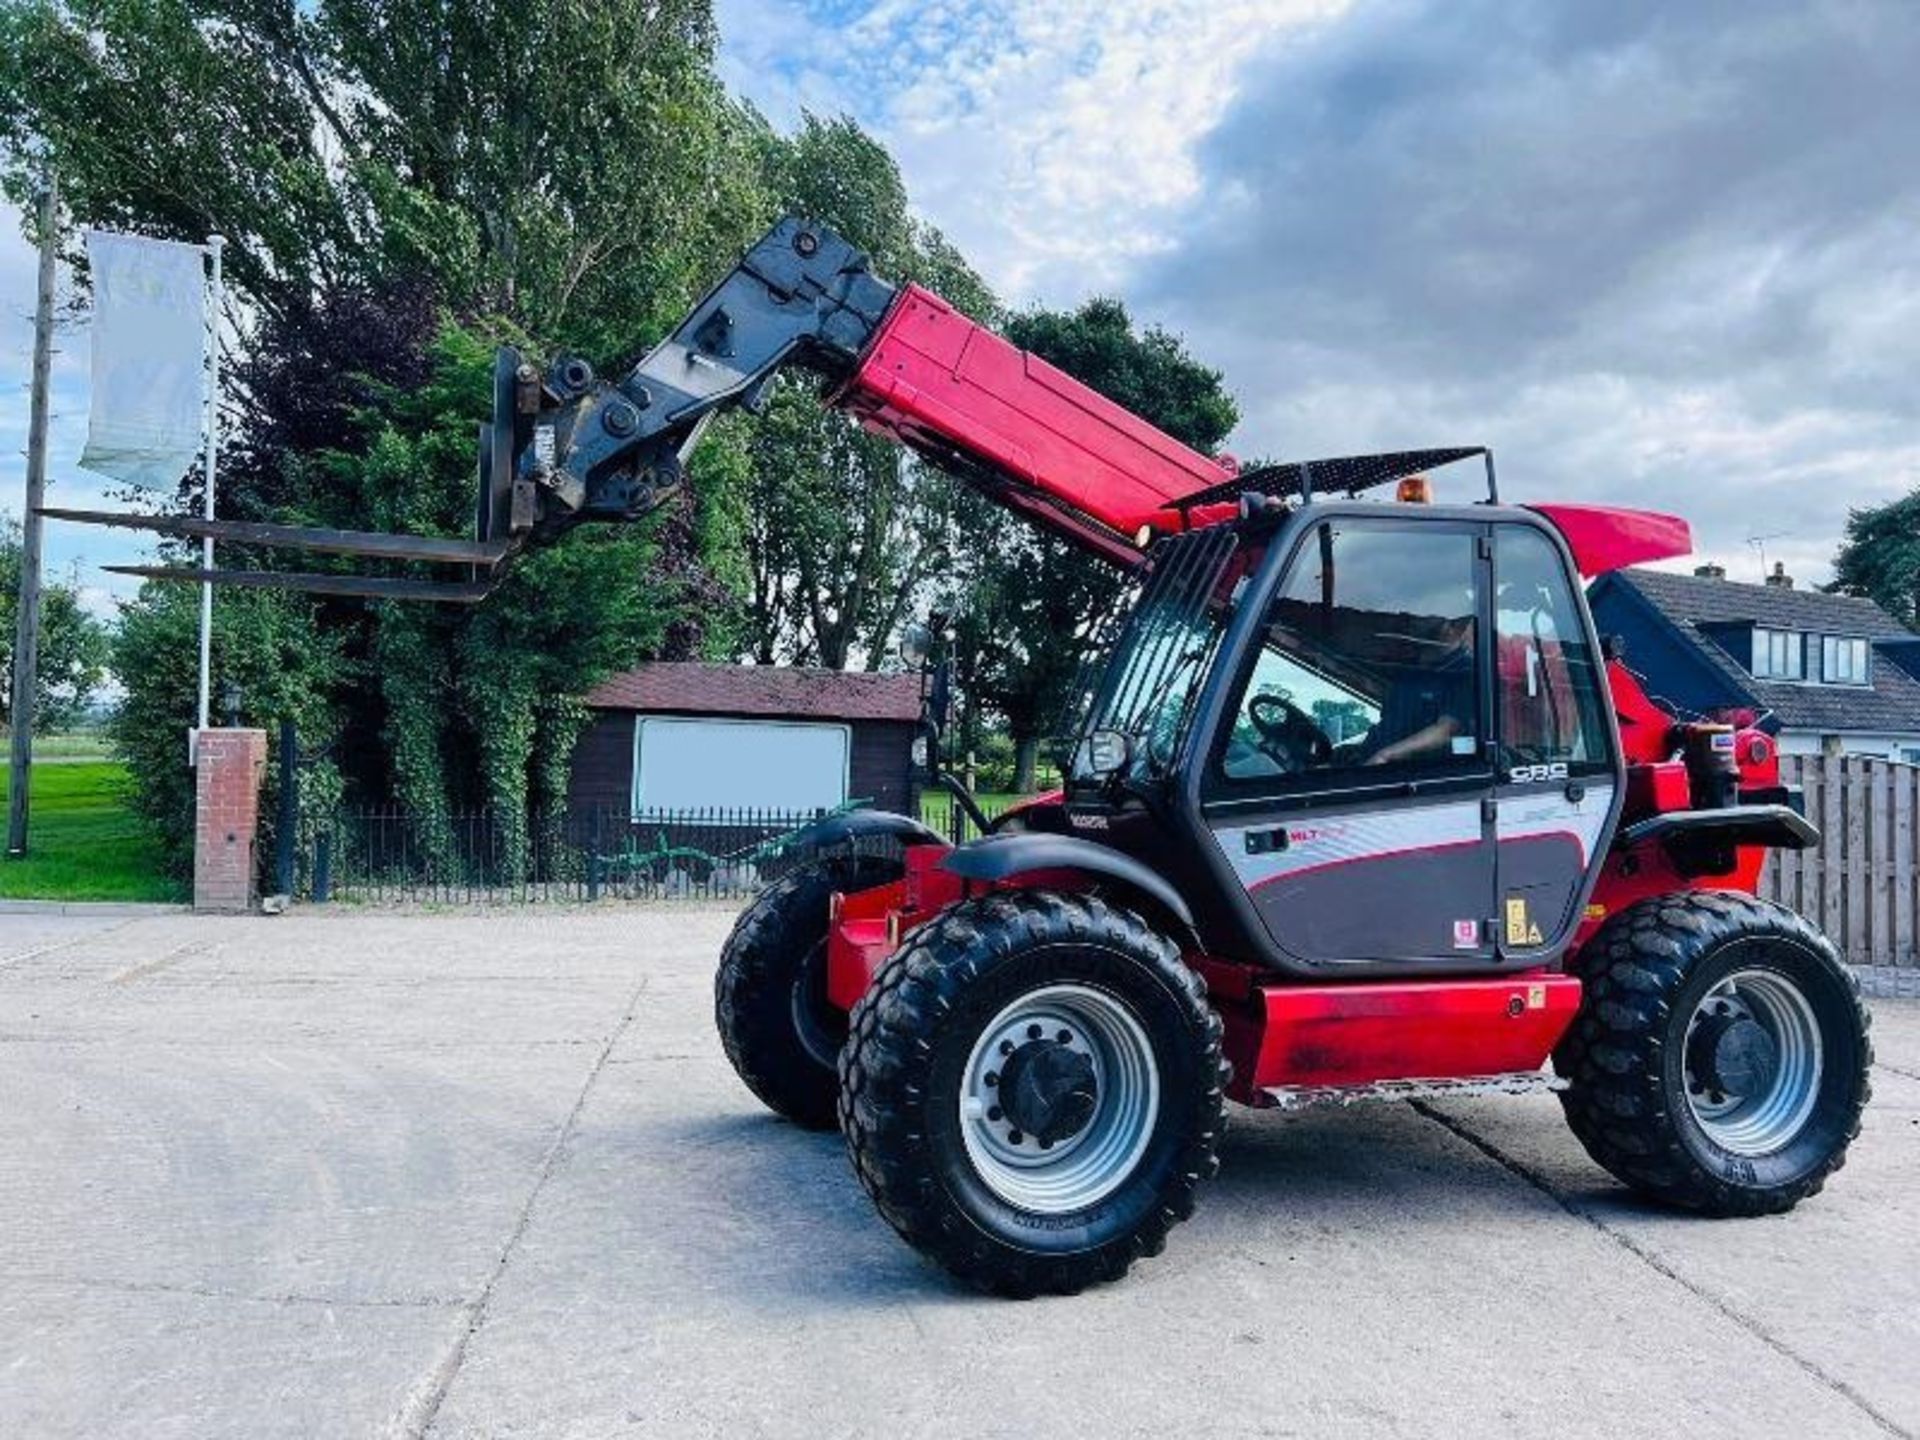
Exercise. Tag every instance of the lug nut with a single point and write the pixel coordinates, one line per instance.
(620, 419)
(1034, 1032)
(1014, 1137)
(994, 1113)
(992, 1078)
(1065, 1037)
(1006, 1047)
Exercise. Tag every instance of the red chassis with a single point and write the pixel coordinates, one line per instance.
(1283, 1035)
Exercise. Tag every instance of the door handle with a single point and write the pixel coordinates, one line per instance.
(1267, 842)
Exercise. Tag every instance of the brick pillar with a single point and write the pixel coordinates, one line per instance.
(228, 766)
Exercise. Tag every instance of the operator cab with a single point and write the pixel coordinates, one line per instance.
(1360, 736)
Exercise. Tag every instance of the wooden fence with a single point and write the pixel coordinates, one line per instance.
(1862, 886)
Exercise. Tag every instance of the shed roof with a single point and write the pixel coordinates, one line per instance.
(762, 691)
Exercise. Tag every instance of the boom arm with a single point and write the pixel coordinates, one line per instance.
(563, 448)
(904, 362)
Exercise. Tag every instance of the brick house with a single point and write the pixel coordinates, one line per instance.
(1830, 674)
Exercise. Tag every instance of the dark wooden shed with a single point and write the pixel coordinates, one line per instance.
(688, 736)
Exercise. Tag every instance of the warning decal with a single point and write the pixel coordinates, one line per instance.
(1521, 929)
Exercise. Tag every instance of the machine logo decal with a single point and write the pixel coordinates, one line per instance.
(1466, 934)
(1526, 774)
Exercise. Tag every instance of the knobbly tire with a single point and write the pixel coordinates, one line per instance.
(1031, 1092)
(770, 992)
(1720, 1058)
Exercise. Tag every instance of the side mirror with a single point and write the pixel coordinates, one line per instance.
(1106, 752)
(916, 644)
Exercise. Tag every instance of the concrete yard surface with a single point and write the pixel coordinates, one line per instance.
(488, 1174)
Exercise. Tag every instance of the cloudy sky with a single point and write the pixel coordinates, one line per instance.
(1653, 254)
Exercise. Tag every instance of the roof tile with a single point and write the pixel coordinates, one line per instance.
(1890, 705)
(775, 691)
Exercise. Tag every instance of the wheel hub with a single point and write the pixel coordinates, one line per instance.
(1753, 1058)
(1048, 1090)
(1058, 1098)
(1733, 1055)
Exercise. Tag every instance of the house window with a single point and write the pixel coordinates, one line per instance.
(1778, 655)
(1843, 661)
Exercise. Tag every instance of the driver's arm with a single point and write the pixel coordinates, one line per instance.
(1428, 737)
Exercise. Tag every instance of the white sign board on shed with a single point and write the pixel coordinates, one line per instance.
(698, 764)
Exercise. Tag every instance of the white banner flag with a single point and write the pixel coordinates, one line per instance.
(149, 358)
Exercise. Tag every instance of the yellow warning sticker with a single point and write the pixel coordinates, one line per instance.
(1536, 997)
(1517, 920)
(1596, 912)
(1521, 929)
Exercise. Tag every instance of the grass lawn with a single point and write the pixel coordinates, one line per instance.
(68, 748)
(83, 843)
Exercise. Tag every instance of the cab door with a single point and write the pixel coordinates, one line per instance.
(1350, 781)
(1557, 782)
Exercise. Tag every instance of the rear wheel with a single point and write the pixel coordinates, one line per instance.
(1720, 1059)
(770, 993)
(1031, 1091)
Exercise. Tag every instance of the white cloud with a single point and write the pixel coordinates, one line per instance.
(1053, 142)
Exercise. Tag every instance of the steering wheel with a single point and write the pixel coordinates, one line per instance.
(1288, 733)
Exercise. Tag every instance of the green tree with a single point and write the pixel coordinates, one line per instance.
(845, 528)
(73, 646)
(576, 165)
(1880, 558)
(265, 644)
(1033, 600)
(401, 186)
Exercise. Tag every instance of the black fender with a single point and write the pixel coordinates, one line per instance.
(1778, 827)
(1702, 841)
(850, 825)
(1004, 855)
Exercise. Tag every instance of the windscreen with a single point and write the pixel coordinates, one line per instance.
(1161, 651)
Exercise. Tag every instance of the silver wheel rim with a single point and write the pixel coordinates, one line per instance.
(1083, 1168)
(1769, 1118)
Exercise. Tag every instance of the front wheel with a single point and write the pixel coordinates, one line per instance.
(1720, 1058)
(1031, 1091)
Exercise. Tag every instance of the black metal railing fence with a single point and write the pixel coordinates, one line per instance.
(392, 856)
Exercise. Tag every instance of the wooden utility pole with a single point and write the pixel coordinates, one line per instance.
(26, 634)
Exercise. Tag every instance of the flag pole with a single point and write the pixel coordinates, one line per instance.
(215, 244)
(26, 639)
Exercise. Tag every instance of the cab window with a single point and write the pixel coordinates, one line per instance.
(1549, 678)
(1368, 669)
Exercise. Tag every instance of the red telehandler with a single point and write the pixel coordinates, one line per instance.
(1356, 804)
